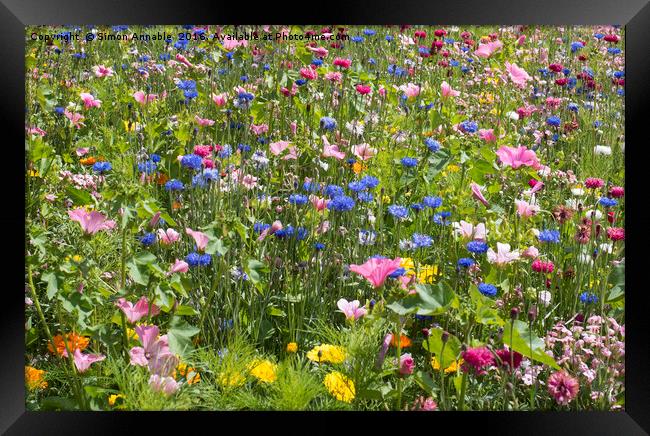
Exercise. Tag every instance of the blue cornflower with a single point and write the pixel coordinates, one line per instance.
(441, 218)
(310, 187)
(549, 236)
(186, 85)
(417, 206)
(365, 197)
(553, 121)
(267, 67)
(59, 110)
(466, 262)
(225, 152)
(181, 44)
(287, 231)
(357, 39)
(244, 148)
(607, 202)
(205, 259)
(356, 186)
(487, 289)
(370, 182)
(333, 191)
(351, 161)
(409, 162)
(155, 158)
(389, 38)
(420, 240)
(298, 199)
(477, 247)
(174, 185)
(260, 227)
(301, 82)
(147, 167)
(102, 167)
(193, 161)
(199, 181)
(319, 246)
(575, 46)
(469, 126)
(369, 32)
(573, 107)
(342, 203)
(193, 259)
(148, 239)
(398, 211)
(588, 298)
(432, 202)
(614, 50)
(432, 145)
(397, 273)
(599, 35)
(301, 233)
(328, 123)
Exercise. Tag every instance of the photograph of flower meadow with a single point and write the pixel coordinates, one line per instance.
(372, 218)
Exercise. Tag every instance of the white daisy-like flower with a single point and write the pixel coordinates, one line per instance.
(603, 150)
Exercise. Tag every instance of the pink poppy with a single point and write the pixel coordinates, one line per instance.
(90, 222)
(477, 194)
(90, 101)
(343, 63)
(203, 122)
(143, 98)
(102, 71)
(308, 73)
(154, 353)
(518, 75)
(376, 270)
(503, 255)
(351, 309)
(486, 50)
(363, 89)
(447, 91)
(516, 157)
(36, 131)
(200, 238)
(331, 150)
(168, 237)
(179, 266)
(83, 361)
(364, 151)
(135, 312)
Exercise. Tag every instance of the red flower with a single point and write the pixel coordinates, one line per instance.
(562, 387)
(617, 191)
(477, 360)
(616, 233)
(541, 266)
(594, 183)
(505, 356)
(363, 89)
(555, 68)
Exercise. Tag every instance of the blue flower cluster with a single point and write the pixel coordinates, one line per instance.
(549, 236)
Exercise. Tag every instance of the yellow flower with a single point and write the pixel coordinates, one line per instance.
(264, 371)
(230, 379)
(77, 258)
(113, 398)
(451, 368)
(453, 168)
(33, 173)
(190, 374)
(385, 199)
(34, 378)
(327, 353)
(131, 334)
(340, 386)
(408, 265)
(129, 126)
(428, 273)
(292, 347)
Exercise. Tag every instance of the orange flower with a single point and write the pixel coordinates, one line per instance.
(74, 341)
(176, 205)
(87, 160)
(403, 340)
(34, 378)
(162, 179)
(358, 167)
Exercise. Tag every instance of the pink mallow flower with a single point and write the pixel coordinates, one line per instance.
(331, 150)
(351, 309)
(516, 157)
(143, 98)
(411, 90)
(526, 209)
(102, 71)
(200, 238)
(90, 101)
(468, 231)
(220, 99)
(134, 313)
(364, 151)
(154, 353)
(503, 255)
(168, 237)
(486, 50)
(91, 222)
(179, 266)
(319, 203)
(166, 385)
(518, 75)
(487, 135)
(376, 270)
(203, 122)
(83, 361)
(447, 91)
(477, 194)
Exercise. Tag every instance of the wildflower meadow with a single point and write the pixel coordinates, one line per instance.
(422, 218)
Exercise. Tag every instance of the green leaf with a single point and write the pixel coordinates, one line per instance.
(428, 300)
(254, 268)
(78, 196)
(522, 338)
(185, 311)
(179, 335)
(138, 273)
(216, 245)
(437, 162)
(484, 308)
(617, 280)
(434, 344)
(52, 283)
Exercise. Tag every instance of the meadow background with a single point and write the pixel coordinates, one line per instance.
(397, 218)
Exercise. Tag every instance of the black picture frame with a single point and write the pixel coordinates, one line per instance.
(634, 14)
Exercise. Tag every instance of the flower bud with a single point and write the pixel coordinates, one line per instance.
(514, 313)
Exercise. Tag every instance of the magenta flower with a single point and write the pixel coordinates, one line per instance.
(384, 349)
(83, 361)
(562, 387)
(477, 194)
(102, 71)
(90, 101)
(477, 360)
(376, 270)
(200, 238)
(516, 157)
(154, 353)
(406, 364)
(91, 222)
(351, 309)
(135, 312)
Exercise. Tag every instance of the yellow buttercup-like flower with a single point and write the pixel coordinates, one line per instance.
(428, 273)
(451, 368)
(230, 379)
(190, 374)
(326, 353)
(264, 371)
(453, 168)
(340, 386)
(112, 399)
(408, 264)
(292, 347)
